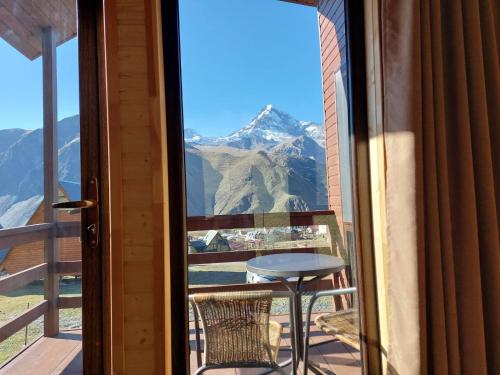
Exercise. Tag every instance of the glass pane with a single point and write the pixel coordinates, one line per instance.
(268, 171)
(39, 102)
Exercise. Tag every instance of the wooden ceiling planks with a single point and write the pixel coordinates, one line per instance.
(21, 23)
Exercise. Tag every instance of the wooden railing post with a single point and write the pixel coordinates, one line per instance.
(50, 174)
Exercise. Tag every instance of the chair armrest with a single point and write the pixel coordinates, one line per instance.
(333, 292)
(315, 296)
(326, 293)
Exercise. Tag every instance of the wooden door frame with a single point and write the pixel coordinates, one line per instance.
(179, 323)
(93, 140)
(362, 194)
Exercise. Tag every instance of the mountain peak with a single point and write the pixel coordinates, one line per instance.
(270, 109)
(268, 128)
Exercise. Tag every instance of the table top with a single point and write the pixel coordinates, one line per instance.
(295, 265)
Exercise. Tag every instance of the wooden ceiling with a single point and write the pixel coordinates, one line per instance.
(22, 22)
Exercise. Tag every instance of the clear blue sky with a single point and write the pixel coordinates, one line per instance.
(239, 55)
(21, 86)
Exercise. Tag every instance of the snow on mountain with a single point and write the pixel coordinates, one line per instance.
(20, 213)
(314, 131)
(69, 161)
(302, 146)
(191, 136)
(266, 130)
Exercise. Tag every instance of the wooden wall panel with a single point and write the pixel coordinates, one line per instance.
(22, 257)
(137, 157)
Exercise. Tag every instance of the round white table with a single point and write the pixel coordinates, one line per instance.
(296, 265)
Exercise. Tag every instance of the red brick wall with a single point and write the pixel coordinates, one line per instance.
(25, 256)
(333, 52)
(333, 58)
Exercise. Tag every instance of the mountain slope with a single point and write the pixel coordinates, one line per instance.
(274, 164)
(224, 181)
(21, 163)
(9, 136)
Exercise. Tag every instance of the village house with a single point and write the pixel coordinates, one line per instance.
(21, 257)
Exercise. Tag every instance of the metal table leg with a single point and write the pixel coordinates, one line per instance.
(296, 323)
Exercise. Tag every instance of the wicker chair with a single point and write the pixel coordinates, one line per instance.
(343, 325)
(237, 330)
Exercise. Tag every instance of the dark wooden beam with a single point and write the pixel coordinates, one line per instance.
(23, 278)
(363, 222)
(244, 255)
(49, 68)
(273, 219)
(274, 286)
(69, 267)
(69, 302)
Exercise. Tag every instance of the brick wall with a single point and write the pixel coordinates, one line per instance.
(333, 59)
(333, 56)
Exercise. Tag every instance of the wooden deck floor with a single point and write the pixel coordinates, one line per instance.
(49, 356)
(333, 358)
(63, 355)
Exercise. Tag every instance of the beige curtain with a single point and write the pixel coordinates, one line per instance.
(441, 79)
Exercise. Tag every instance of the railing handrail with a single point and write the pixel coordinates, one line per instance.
(22, 278)
(244, 255)
(260, 220)
(10, 237)
(245, 221)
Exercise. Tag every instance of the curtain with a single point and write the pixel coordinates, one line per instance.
(441, 85)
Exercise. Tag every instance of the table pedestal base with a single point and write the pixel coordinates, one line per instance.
(296, 323)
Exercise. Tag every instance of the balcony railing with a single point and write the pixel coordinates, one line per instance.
(335, 242)
(49, 269)
(55, 268)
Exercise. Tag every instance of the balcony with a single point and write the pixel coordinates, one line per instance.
(60, 351)
(36, 292)
(332, 357)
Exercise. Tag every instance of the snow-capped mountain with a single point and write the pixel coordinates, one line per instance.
(273, 164)
(266, 130)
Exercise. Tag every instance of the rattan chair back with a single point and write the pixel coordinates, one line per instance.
(237, 329)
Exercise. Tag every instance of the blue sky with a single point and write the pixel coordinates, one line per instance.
(21, 86)
(239, 55)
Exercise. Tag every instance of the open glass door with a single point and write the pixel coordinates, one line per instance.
(269, 187)
(49, 167)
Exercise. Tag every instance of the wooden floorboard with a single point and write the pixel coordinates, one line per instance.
(332, 358)
(49, 355)
(63, 355)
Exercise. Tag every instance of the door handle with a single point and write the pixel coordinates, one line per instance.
(87, 203)
(92, 217)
